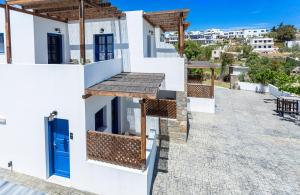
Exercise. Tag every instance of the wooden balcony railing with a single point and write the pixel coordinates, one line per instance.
(115, 149)
(195, 78)
(200, 91)
(161, 108)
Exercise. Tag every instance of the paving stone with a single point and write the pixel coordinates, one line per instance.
(245, 148)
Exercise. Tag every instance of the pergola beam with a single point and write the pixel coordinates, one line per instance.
(166, 20)
(8, 34)
(181, 35)
(66, 10)
(143, 129)
(58, 9)
(82, 32)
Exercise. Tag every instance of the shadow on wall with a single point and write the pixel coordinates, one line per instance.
(162, 154)
(131, 116)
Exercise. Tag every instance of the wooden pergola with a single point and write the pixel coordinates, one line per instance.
(63, 11)
(174, 20)
(134, 85)
(202, 65)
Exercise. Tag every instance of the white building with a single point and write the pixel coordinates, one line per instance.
(251, 33)
(245, 33)
(64, 122)
(291, 44)
(262, 45)
(212, 36)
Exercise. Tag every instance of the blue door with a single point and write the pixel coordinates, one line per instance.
(59, 148)
(104, 47)
(54, 48)
(115, 115)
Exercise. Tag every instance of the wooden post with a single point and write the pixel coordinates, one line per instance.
(82, 32)
(7, 34)
(212, 82)
(181, 36)
(143, 129)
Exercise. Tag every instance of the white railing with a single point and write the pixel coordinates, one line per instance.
(100, 71)
(173, 68)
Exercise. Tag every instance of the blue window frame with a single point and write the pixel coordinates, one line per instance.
(104, 47)
(1, 43)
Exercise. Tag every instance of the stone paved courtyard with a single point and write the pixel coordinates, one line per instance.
(245, 148)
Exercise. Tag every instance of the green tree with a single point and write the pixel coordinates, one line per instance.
(192, 50)
(284, 32)
(247, 49)
(226, 60)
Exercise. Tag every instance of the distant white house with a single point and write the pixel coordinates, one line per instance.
(263, 45)
(74, 92)
(212, 36)
(216, 53)
(291, 44)
(245, 33)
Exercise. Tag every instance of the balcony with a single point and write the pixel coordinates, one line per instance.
(161, 108)
(115, 149)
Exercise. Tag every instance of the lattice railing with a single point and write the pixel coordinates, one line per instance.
(161, 108)
(195, 78)
(115, 149)
(200, 91)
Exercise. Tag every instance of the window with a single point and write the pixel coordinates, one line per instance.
(104, 47)
(100, 120)
(1, 43)
(270, 46)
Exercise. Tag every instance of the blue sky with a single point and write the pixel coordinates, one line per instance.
(224, 14)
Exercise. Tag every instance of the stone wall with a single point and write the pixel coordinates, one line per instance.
(177, 129)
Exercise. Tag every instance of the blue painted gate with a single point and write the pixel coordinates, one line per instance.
(59, 149)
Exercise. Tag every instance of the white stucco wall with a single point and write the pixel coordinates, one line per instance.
(111, 26)
(42, 27)
(22, 37)
(33, 92)
(273, 90)
(135, 36)
(203, 105)
(172, 67)
(256, 87)
(2, 30)
(149, 31)
(163, 49)
(99, 71)
(131, 117)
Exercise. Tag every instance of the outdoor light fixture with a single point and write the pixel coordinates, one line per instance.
(101, 30)
(52, 115)
(57, 30)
